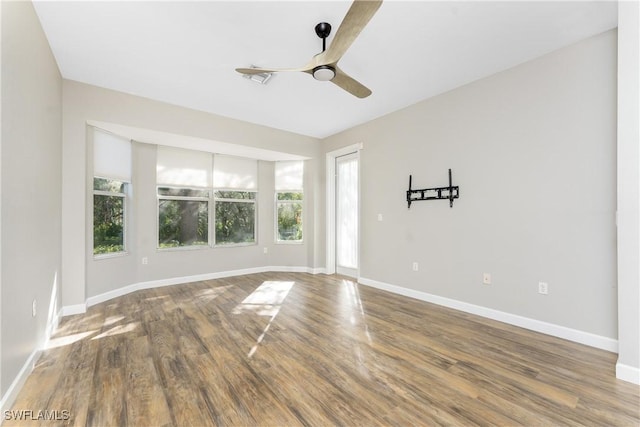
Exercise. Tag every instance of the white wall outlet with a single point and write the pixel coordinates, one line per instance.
(34, 308)
(543, 288)
(415, 266)
(145, 260)
(379, 217)
(486, 278)
(265, 250)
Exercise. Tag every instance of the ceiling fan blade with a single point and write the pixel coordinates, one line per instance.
(351, 85)
(358, 16)
(267, 70)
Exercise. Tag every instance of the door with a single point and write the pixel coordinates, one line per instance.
(347, 215)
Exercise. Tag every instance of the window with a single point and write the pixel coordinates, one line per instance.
(187, 185)
(184, 180)
(112, 174)
(235, 217)
(108, 216)
(289, 201)
(235, 181)
(183, 217)
(289, 207)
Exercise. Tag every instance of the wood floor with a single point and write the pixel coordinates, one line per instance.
(280, 349)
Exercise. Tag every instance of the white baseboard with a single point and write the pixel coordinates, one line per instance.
(12, 392)
(297, 270)
(69, 310)
(574, 335)
(97, 299)
(628, 373)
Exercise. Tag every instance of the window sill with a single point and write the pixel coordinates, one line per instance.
(110, 255)
(289, 242)
(183, 248)
(235, 245)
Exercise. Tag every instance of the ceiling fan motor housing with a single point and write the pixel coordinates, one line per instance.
(323, 30)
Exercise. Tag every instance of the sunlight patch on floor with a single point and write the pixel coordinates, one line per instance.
(266, 300)
(117, 330)
(354, 303)
(213, 293)
(68, 339)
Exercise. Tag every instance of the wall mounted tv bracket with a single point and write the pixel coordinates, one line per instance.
(439, 193)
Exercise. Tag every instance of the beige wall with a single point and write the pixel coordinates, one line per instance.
(86, 277)
(31, 188)
(533, 150)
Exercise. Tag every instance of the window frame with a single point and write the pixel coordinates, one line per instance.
(253, 200)
(124, 194)
(183, 198)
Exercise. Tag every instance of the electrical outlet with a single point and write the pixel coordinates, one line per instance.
(265, 250)
(543, 288)
(145, 260)
(486, 278)
(379, 217)
(415, 266)
(34, 308)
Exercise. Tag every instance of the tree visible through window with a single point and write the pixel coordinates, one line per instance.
(108, 216)
(289, 201)
(183, 217)
(235, 217)
(289, 216)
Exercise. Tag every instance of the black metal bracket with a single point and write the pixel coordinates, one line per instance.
(438, 193)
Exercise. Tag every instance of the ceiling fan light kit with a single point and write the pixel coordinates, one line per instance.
(324, 66)
(324, 73)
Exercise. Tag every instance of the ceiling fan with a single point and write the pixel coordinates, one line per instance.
(324, 66)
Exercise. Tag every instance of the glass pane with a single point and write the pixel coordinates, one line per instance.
(289, 196)
(245, 195)
(183, 223)
(235, 222)
(347, 212)
(290, 221)
(182, 192)
(104, 184)
(108, 224)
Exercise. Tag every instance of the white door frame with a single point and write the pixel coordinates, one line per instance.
(331, 204)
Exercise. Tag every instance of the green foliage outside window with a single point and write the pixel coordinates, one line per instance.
(108, 216)
(235, 217)
(289, 216)
(183, 223)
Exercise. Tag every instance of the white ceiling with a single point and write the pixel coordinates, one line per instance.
(185, 53)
